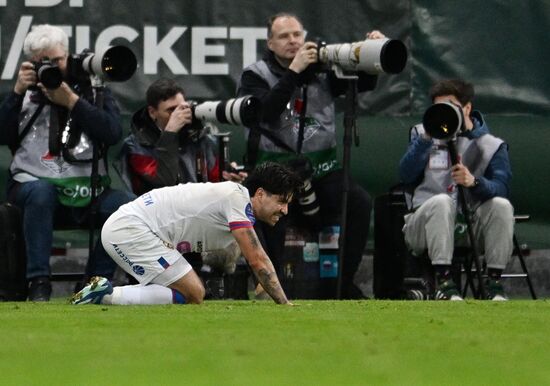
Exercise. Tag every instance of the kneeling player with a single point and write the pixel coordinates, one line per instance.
(147, 236)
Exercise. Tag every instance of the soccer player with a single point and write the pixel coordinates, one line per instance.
(148, 236)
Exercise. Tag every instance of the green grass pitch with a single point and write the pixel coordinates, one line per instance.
(259, 343)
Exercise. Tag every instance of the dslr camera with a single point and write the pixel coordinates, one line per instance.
(307, 198)
(115, 64)
(48, 73)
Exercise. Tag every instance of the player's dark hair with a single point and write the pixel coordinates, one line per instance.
(274, 178)
(463, 91)
(161, 90)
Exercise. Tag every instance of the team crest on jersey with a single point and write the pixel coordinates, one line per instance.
(250, 213)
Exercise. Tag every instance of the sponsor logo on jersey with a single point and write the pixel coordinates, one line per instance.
(138, 269)
(127, 260)
(147, 199)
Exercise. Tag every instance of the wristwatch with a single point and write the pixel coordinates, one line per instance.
(476, 183)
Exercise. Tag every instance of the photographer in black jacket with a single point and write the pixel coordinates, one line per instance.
(166, 146)
(45, 181)
(298, 122)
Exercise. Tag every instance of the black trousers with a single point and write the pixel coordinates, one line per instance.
(328, 190)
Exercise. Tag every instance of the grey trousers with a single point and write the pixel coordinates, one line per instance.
(432, 227)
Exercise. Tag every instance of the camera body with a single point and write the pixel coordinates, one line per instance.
(48, 73)
(236, 169)
(373, 56)
(307, 198)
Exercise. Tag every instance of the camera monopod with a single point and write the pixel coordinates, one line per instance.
(451, 145)
(350, 131)
(372, 56)
(443, 121)
(99, 88)
(117, 64)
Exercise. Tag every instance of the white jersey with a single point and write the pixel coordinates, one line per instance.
(194, 217)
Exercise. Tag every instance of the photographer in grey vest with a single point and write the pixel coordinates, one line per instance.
(49, 181)
(297, 125)
(483, 170)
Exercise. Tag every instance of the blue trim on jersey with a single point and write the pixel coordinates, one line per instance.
(240, 224)
(162, 261)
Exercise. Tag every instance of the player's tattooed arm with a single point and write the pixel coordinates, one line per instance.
(259, 262)
(271, 285)
(253, 238)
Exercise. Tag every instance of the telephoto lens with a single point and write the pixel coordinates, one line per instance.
(443, 120)
(373, 56)
(236, 111)
(114, 64)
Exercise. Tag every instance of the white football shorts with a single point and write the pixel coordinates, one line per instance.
(140, 252)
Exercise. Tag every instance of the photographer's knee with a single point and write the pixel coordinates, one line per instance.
(41, 193)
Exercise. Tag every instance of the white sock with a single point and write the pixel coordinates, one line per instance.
(138, 294)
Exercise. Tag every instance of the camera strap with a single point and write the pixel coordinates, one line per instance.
(256, 133)
(254, 137)
(302, 121)
(28, 126)
(58, 118)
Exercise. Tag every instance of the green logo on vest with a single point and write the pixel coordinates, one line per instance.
(76, 191)
(323, 161)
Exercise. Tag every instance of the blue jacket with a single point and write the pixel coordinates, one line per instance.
(494, 183)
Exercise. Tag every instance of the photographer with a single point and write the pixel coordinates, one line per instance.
(49, 188)
(167, 146)
(298, 122)
(484, 172)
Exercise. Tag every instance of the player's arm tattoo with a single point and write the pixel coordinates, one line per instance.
(253, 238)
(271, 285)
(267, 276)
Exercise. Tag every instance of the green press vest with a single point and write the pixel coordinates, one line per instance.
(319, 144)
(33, 161)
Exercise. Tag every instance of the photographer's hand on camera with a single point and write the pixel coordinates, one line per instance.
(181, 116)
(61, 96)
(234, 174)
(375, 34)
(25, 78)
(306, 55)
(462, 176)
